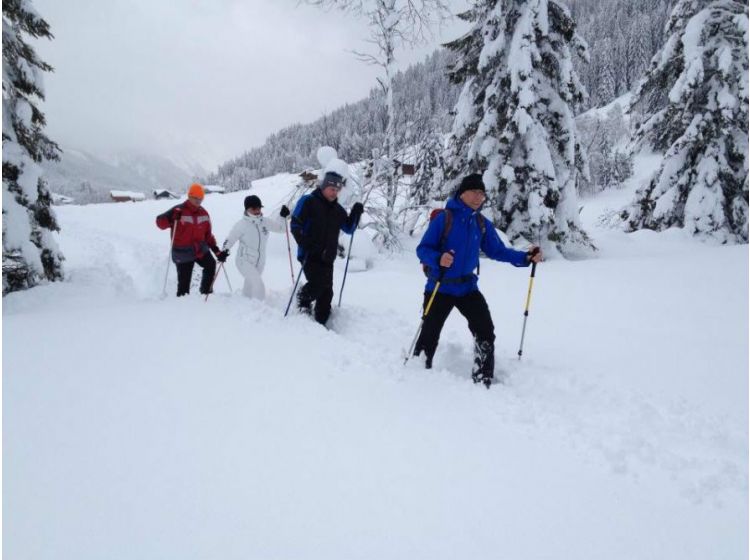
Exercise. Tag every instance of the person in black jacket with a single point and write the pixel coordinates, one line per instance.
(316, 222)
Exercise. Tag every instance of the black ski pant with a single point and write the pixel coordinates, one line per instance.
(185, 274)
(318, 289)
(474, 307)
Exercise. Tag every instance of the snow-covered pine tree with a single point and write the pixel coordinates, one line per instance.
(604, 137)
(695, 106)
(605, 89)
(627, 33)
(514, 119)
(429, 169)
(30, 253)
(425, 185)
(637, 50)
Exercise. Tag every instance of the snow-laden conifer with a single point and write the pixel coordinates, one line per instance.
(429, 169)
(514, 118)
(30, 254)
(694, 100)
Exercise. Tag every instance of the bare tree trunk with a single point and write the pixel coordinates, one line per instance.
(392, 23)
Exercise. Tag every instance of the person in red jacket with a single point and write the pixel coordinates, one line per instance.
(192, 238)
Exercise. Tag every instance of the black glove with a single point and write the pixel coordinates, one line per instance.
(176, 215)
(284, 211)
(357, 210)
(222, 255)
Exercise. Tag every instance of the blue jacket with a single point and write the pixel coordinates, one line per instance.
(465, 239)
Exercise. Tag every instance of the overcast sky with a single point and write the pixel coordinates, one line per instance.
(199, 79)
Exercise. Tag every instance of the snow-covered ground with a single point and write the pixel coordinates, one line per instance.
(136, 427)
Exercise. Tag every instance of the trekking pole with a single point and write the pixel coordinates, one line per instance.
(294, 289)
(346, 268)
(424, 314)
(169, 259)
(349, 253)
(218, 271)
(226, 275)
(528, 302)
(289, 249)
(295, 188)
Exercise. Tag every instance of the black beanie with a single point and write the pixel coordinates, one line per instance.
(470, 183)
(333, 179)
(252, 201)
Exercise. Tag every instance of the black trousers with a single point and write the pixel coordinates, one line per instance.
(185, 274)
(318, 289)
(474, 307)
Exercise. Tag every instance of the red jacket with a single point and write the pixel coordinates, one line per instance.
(193, 237)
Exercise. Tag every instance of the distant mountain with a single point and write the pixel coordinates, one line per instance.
(86, 177)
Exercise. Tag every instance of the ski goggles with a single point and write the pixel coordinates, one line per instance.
(334, 182)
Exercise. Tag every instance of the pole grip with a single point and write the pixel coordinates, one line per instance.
(533, 253)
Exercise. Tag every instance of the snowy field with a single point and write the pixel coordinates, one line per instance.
(142, 428)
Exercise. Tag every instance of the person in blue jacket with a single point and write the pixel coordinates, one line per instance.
(449, 252)
(316, 222)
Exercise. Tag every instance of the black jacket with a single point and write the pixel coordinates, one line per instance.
(316, 224)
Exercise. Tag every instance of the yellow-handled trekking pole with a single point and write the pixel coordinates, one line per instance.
(528, 301)
(424, 314)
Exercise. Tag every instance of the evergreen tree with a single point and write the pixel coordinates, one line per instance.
(605, 89)
(429, 169)
(604, 137)
(30, 253)
(514, 118)
(694, 100)
(638, 49)
(626, 34)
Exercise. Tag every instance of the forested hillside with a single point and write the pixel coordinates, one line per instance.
(423, 97)
(622, 36)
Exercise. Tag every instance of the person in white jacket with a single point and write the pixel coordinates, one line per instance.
(252, 233)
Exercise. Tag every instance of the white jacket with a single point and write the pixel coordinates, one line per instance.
(252, 233)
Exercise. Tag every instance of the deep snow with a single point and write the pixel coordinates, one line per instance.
(136, 427)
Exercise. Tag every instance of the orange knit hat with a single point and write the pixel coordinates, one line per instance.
(196, 191)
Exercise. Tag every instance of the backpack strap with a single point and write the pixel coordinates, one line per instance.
(446, 226)
(482, 228)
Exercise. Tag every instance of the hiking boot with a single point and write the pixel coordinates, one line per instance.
(479, 378)
(427, 358)
(484, 363)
